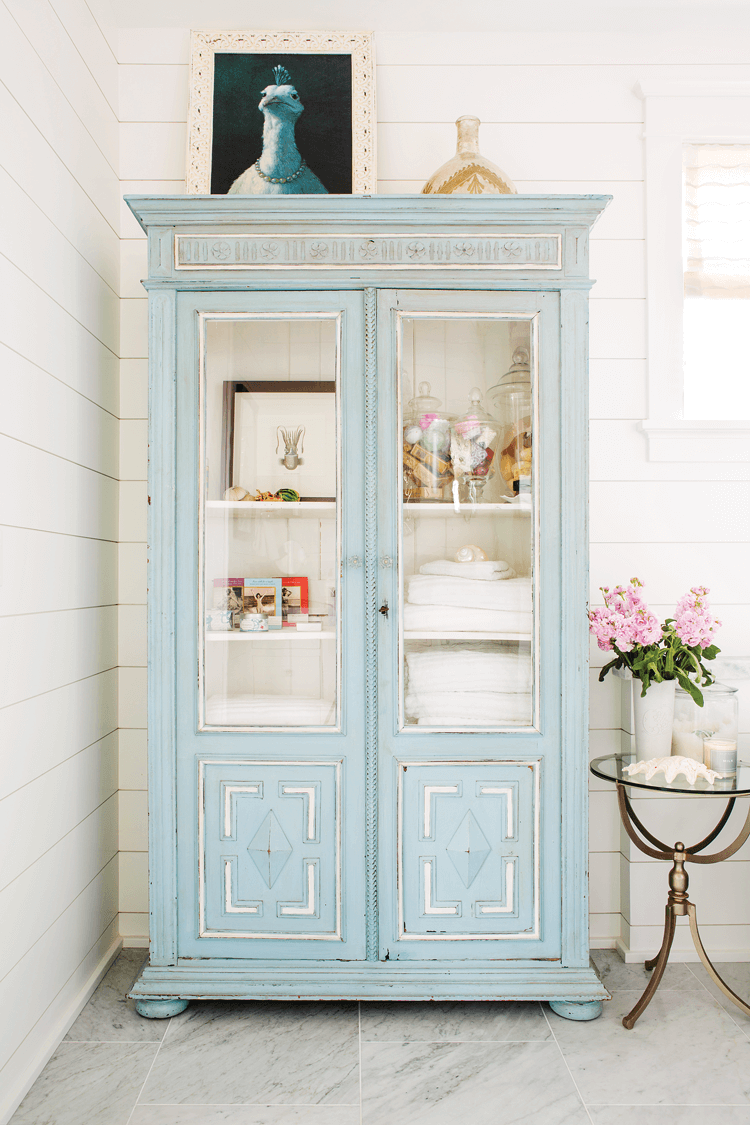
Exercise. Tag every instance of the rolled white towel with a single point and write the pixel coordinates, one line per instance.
(446, 669)
(457, 619)
(483, 571)
(468, 708)
(428, 589)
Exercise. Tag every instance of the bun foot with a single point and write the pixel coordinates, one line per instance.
(577, 1009)
(160, 1009)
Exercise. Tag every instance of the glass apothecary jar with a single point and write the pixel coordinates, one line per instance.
(717, 718)
(428, 473)
(474, 440)
(510, 400)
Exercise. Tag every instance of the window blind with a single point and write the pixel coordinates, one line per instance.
(717, 220)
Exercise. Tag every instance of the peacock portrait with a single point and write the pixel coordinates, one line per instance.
(279, 170)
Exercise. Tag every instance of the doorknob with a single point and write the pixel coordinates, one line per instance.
(384, 608)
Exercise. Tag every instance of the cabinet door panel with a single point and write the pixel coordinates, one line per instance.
(270, 668)
(469, 653)
(270, 857)
(468, 850)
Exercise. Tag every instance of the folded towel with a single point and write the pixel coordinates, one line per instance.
(466, 669)
(428, 589)
(457, 619)
(484, 571)
(468, 708)
(269, 711)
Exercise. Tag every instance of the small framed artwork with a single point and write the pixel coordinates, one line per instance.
(281, 113)
(256, 415)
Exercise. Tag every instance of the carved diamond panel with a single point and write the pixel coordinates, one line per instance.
(270, 855)
(468, 842)
(269, 849)
(468, 849)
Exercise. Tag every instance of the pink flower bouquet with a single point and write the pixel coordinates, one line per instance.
(674, 650)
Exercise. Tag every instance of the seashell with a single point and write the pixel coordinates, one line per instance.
(412, 434)
(471, 553)
(236, 493)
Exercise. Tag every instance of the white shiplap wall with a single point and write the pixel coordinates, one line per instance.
(59, 387)
(560, 114)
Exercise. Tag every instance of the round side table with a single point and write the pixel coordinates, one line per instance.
(678, 904)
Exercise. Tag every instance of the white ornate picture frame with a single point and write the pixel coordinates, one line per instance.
(206, 45)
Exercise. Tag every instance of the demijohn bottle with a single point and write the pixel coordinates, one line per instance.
(468, 172)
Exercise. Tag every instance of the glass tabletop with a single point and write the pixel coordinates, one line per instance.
(610, 768)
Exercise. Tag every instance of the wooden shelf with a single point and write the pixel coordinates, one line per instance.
(271, 635)
(317, 509)
(423, 635)
(444, 509)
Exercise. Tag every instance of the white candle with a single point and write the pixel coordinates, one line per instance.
(720, 754)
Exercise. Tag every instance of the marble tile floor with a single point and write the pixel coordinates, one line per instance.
(263, 1063)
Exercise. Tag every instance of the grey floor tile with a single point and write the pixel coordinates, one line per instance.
(245, 1115)
(615, 975)
(477, 1021)
(262, 1052)
(109, 1017)
(683, 1041)
(484, 1083)
(669, 1114)
(737, 976)
(91, 1083)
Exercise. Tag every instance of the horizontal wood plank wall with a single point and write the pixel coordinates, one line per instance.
(59, 387)
(559, 113)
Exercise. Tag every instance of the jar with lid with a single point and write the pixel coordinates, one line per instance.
(717, 718)
(474, 439)
(428, 473)
(510, 400)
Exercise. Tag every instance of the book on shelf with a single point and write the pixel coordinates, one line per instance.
(294, 601)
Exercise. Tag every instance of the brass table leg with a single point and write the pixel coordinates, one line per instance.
(678, 903)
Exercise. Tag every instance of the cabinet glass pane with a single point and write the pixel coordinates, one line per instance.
(467, 522)
(270, 529)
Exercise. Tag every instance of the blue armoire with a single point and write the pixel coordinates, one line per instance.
(367, 709)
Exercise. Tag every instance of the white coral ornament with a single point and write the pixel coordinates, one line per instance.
(671, 767)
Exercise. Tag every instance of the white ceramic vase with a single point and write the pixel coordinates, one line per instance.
(652, 718)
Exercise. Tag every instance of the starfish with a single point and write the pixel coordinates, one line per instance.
(672, 766)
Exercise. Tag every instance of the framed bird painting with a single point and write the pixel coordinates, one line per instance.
(281, 113)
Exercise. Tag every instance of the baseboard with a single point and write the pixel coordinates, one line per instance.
(50, 1036)
(135, 943)
(678, 956)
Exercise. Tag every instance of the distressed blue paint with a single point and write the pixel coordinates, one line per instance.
(368, 957)
(581, 1010)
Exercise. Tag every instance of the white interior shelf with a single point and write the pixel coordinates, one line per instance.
(271, 635)
(424, 635)
(443, 508)
(282, 509)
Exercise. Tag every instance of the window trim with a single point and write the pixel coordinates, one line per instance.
(677, 112)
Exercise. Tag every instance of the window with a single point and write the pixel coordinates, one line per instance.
(698, 376)
(716, 263)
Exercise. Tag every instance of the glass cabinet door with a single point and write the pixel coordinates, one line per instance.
(466, 547)
(270, 615)
(469, 672)
(271, 487)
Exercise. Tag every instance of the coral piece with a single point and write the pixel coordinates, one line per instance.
(671, 767)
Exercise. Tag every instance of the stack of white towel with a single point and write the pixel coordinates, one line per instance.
(468, 684)
(269, 711)
(473, 597)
